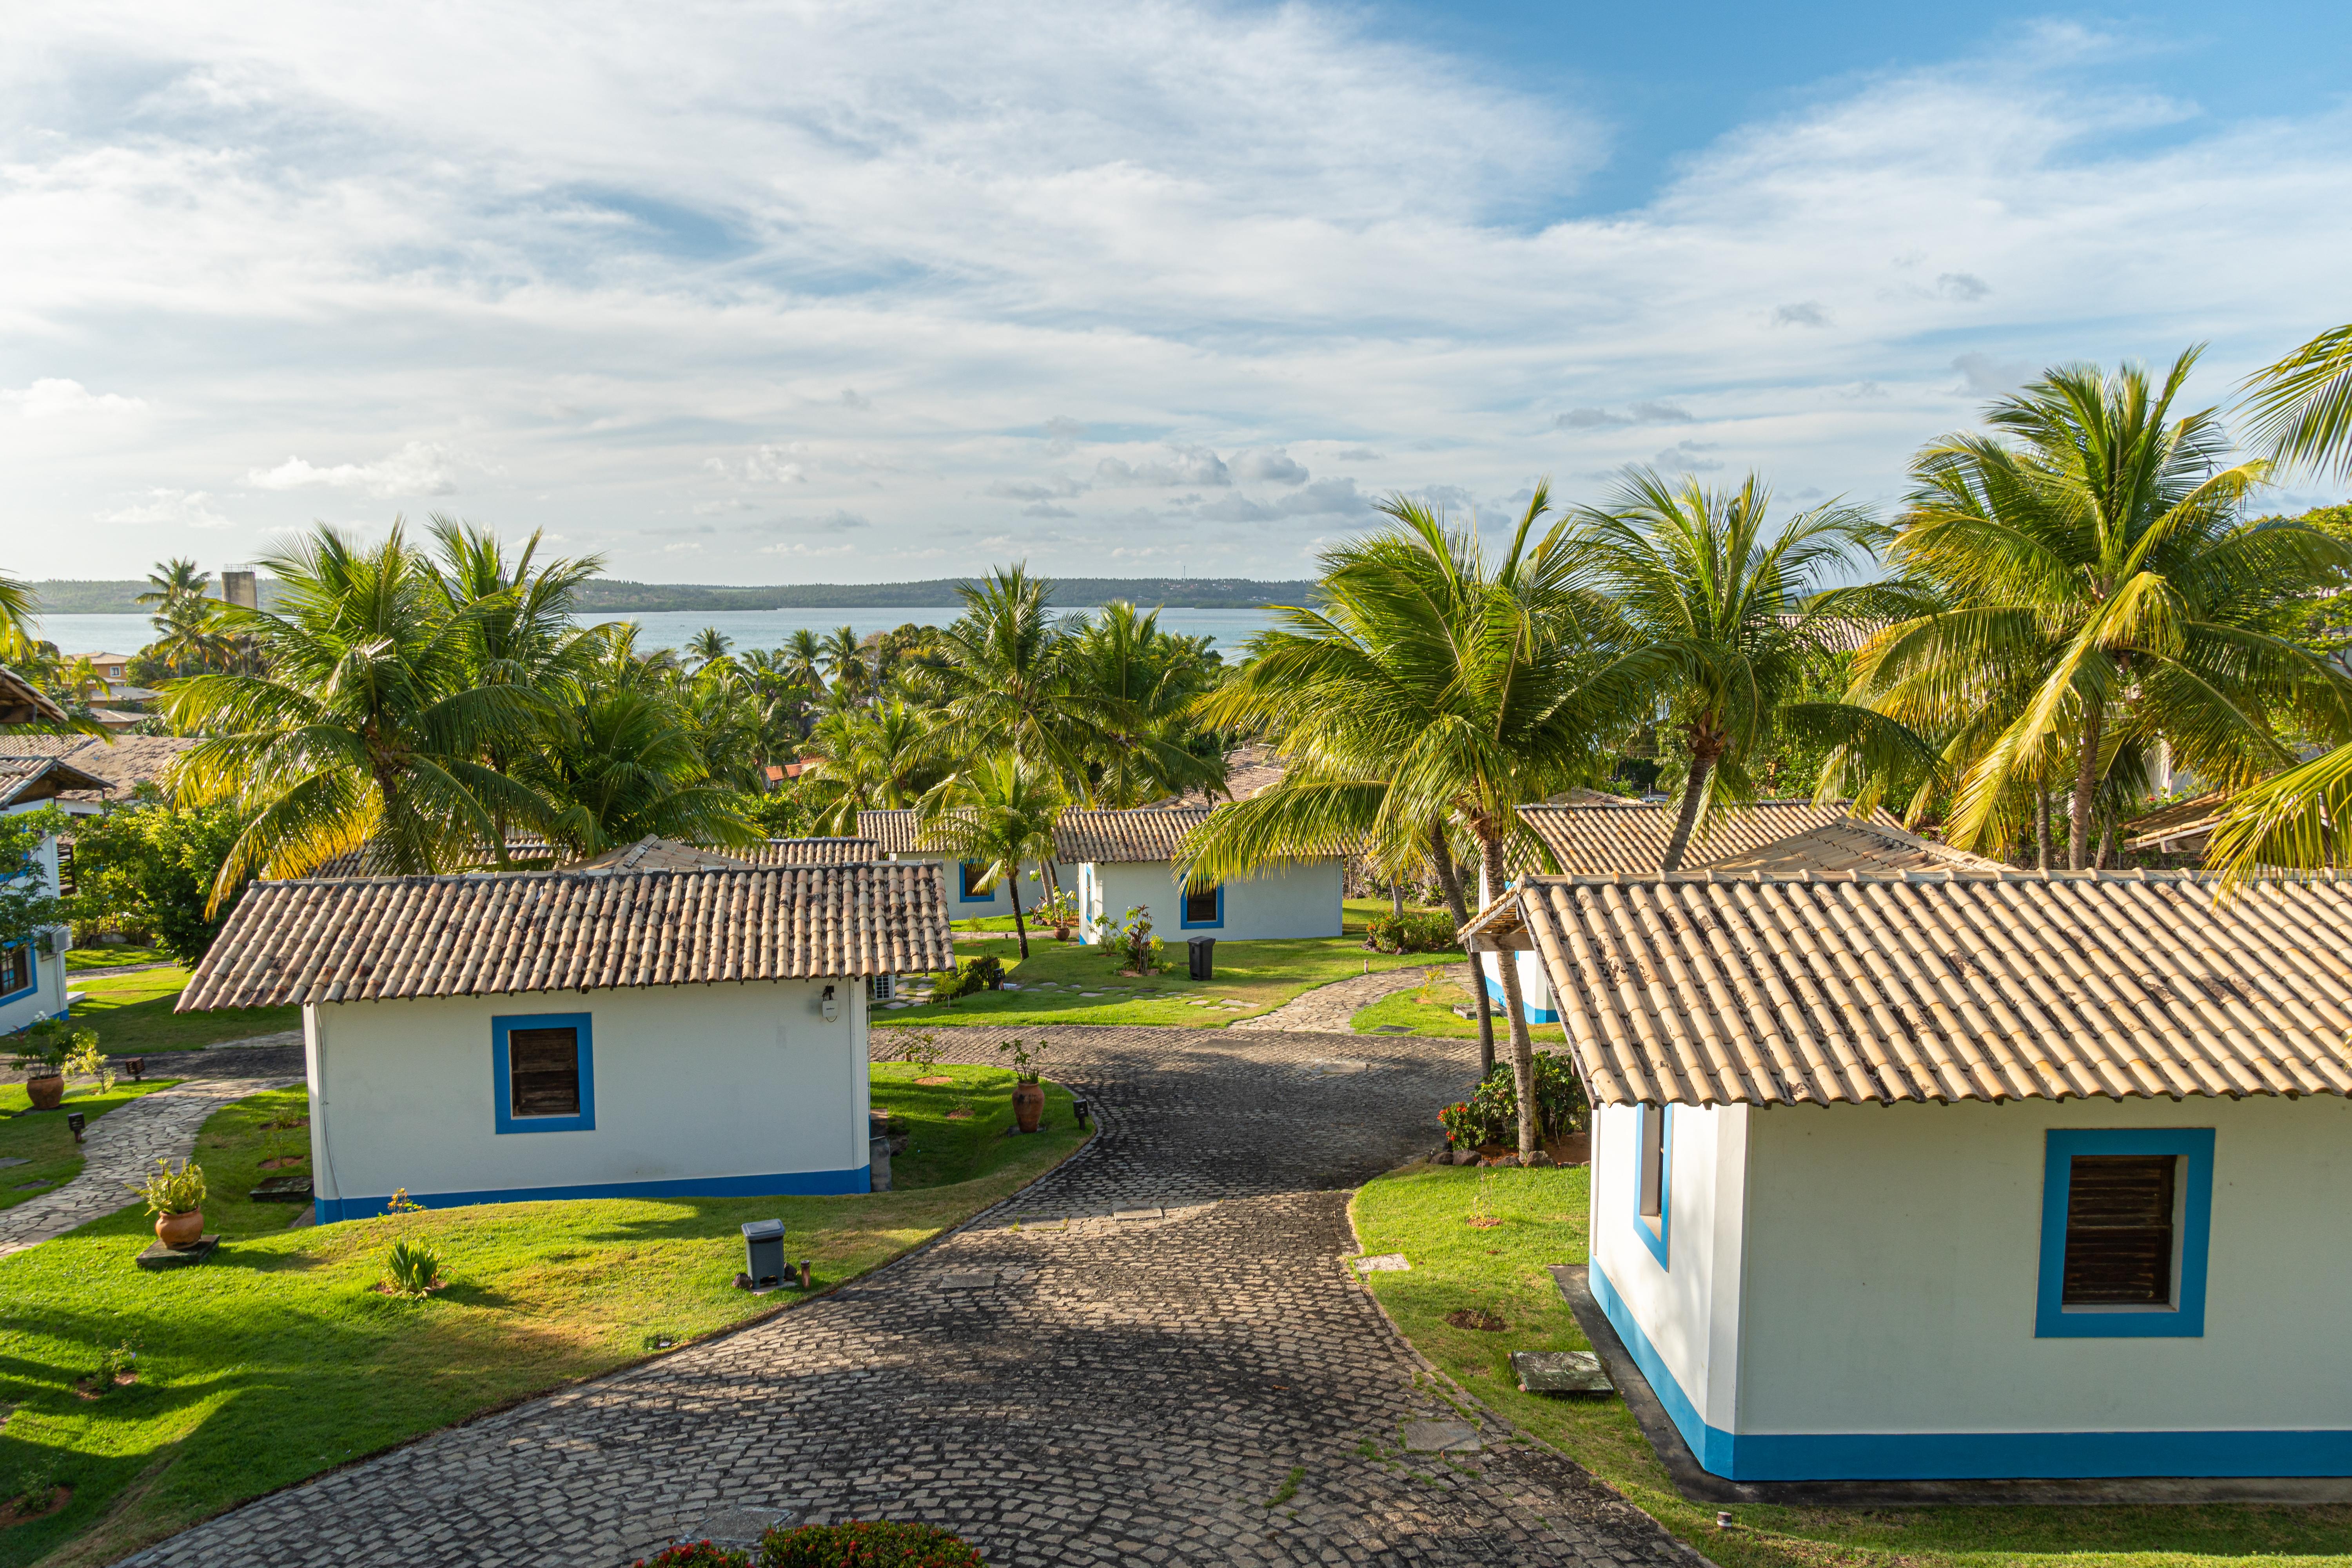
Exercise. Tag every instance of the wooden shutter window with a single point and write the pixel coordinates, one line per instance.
(543, 1071)
(1200, 905)
(1653, 1173)
(2119, 1230)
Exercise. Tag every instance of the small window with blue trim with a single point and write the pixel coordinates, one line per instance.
(544, 1068)
(971, 874)
(1654, 1168)
(16, 971)
(1203, 905)
(2125, 1218)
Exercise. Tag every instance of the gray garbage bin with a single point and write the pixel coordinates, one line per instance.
(763, 1251)
(1203, 956)
(877, 1159)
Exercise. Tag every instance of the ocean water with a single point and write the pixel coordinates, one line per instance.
(671, 628)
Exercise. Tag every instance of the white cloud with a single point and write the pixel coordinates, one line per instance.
(188, 508)
(588, 261)
(417, 468)
(51, 397)
(1046, 509)
(1277, 467)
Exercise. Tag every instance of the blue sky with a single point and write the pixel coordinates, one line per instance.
(764, 293)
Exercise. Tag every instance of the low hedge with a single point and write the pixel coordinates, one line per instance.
(1412, 932)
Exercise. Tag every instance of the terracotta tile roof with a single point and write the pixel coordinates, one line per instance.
(45, 778)
(127, 763)
(655, 853)
(1599, 839)
(894, 831)
(809, 852)
(1714, 989)
(1249, 771)
(1851, 843)
(2182, 827)
(21, 701)
(368, 939)
(1143, 833)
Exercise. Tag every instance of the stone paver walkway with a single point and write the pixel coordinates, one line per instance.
(121, 1147)
(1327, 1008)
(1130, 1362)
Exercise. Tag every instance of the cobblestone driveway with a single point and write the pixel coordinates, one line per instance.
(1062, 1389)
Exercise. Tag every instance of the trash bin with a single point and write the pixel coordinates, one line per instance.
(763, 1251)
(1203, 956)
(878, 1159)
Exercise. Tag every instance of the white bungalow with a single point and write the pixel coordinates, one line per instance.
(33, 982)
(1603, 836)
(607, 1033)
(1961, 1175)
(1128, 860)
(898, 835)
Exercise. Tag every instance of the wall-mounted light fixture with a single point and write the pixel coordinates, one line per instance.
(830, 1006)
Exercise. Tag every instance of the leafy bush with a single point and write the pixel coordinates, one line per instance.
(1416, 932)
(987, 970)
(866, 1544)
(415, 1267)
(42, 1049)
(1129, 940)
(34, 1485)
(172, 1191)
(148, 864)
(695, 1555)
(1491, 1114)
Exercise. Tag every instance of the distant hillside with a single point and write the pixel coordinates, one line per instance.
(611, 596)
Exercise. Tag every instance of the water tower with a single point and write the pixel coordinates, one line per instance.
(240, 587)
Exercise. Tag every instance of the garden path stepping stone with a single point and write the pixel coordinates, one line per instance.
(32, 1186)
(1440, 1437)
(1560, 1372)
(281, 1189)
(162, 1257)
(13, 1160)
(1392, 1029)
(967, 1279)
(739, 1526)
(1382, 1263)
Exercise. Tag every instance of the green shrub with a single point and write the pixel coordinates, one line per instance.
(415, 1267)
(1416, 932)
(986, 971)
(866, 1544)
(172, 1191)
(1491, 1114)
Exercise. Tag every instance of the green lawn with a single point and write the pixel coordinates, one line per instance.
(1258, 974)
(44, 1139)
(1356, 914)
(108, 957)
(1426, 1010)
(280, 1358)
(1421, 1212)
(132, 1015)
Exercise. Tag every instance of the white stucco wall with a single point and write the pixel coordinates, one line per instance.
(998, 900)
(1537, 1002)
(692, 1084)
(1688, 1305)
(1301, 900)
(48, 996)
(1893, 1254)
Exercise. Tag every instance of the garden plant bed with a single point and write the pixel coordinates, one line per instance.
(1434, 1014)
(1421, 1210)
(132, 1015)
(46, 1144)
(1259, 974)
(280, 1358)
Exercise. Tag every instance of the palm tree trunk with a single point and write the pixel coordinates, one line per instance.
(1486, 1018)
(1019, 930)
(1396, 897)
(1523, 1045)
(1694, 791)
(1449, 880)
(2041, 827)
(2087, 783)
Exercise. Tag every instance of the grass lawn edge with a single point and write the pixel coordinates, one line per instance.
(115, 1551)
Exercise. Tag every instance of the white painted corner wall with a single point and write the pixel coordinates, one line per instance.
(1298, 899)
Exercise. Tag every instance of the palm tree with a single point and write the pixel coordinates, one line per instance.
(802, 657)
(1001, 813)
(1725, 618)
(873, 760)
(2301, 407)
(846, 670)
(1432, 692)
(1141, 684)
(365, 728)
(174, 580)
(2105, 596)
(628, 763)
(708, 647)
(1002, 680)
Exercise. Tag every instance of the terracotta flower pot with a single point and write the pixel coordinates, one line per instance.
(177, 1230)
(1028, 1106)
(46, 1092)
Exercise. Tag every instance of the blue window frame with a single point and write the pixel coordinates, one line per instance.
(1200, 909)
(1653, 1176)
(967, 873)
(2182, 1314)
(539, 1055)
(20, 971)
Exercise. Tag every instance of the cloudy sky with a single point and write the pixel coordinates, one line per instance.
(754, 292)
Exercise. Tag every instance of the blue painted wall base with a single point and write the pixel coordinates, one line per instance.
(1968, 1456)
(788, 1184)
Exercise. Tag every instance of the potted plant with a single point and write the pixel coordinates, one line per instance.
(1028, 1097)
(176, 1199)
(40, 1055)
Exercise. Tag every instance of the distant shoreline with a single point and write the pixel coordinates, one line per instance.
(611, 596)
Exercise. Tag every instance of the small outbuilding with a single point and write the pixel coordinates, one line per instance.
(1944, 1174)
(33, 982)
(899, 834)
(1129, 859)
(598, 1033)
